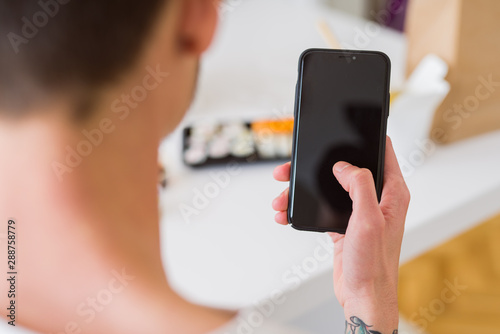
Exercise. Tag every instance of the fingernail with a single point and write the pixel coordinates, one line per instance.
(340, 166)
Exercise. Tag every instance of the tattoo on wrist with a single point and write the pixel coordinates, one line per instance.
(357, 326)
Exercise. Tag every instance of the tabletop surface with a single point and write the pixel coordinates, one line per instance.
(230, 252)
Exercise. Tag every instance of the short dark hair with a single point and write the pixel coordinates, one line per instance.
(50, 47)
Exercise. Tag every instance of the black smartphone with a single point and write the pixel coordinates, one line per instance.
(341, 109)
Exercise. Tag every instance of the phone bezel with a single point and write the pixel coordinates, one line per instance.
(383, 131)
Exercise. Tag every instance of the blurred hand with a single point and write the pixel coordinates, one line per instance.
(367, 257)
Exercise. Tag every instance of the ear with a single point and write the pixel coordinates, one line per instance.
(197, 25)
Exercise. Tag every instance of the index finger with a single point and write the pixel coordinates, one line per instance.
(395, 194)
(391, 168)
(282, 172)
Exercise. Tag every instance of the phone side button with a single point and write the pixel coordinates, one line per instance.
(388, 104)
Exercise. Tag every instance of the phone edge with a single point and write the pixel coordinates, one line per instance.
(383, 132)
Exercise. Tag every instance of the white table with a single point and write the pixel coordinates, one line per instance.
(232, 254)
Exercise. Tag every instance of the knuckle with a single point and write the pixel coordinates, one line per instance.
(375, 227)
(363, 175)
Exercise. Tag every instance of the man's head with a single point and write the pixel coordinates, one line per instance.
(87, 90)
(83, 54)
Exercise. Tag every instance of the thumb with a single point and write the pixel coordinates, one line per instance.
(361, 187)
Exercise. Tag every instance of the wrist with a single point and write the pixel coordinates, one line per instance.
(381, 313)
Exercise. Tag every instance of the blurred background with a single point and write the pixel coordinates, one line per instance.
(444, 121)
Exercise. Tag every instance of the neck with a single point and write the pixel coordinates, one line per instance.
(88, 239)
(77, 234)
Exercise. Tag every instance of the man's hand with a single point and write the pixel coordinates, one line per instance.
(367, 257)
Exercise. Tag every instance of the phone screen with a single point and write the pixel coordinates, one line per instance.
(341, 112)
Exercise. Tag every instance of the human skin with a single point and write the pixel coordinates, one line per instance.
(366, 258)
(101, 218)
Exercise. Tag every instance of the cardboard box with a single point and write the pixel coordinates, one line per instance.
(466, 34)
